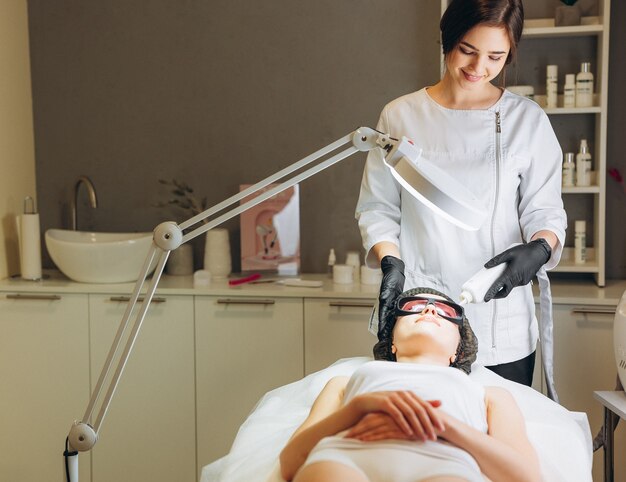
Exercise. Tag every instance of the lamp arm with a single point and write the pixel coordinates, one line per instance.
(169, 236)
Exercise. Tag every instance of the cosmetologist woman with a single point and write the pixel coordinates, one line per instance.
(502, 148)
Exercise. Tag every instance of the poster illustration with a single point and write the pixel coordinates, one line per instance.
(270, 232)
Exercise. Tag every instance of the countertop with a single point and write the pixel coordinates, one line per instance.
(563, 292)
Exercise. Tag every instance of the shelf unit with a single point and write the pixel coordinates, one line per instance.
(593, 26)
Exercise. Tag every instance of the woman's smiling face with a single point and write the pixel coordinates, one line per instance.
(479, 57)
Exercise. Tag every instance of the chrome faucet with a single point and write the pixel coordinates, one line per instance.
(93, 200)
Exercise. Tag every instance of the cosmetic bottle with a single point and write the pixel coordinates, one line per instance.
(474, 289)
(332, 259)
(552, 78)
(353, 259)
(583, 165)
(584, 86)
(569, 91)
(580, 242)
(569, 170)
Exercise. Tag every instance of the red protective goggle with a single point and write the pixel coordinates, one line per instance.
(412, 305)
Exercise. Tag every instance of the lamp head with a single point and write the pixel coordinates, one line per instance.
(434, 187)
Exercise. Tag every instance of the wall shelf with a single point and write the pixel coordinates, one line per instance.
(544, 27)
(592, 31)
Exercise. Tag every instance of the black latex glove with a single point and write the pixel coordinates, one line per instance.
(523, 261)
(390, 288)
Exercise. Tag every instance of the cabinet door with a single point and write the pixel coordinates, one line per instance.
(583, 363)
(44, 374)
(244, 348)
(149, 431)
(334, 329)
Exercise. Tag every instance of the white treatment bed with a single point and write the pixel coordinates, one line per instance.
(561, 438)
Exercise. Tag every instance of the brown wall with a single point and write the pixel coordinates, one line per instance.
(223, 92)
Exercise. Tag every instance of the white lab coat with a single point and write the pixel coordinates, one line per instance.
(516, 174)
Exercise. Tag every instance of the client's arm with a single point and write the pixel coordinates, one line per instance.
(297, 449)
(328, 417)
(505, 453)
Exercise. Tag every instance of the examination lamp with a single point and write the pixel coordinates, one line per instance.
(423, 180)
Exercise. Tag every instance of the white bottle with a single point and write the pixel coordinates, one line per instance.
(584, 86)
(353, 259)
(332, 259)
(569, 91)
(569, 170)
(474, 289)
(583, 165)
(552, 78)
(580, 242)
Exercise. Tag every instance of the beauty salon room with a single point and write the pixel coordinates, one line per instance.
(247, 241)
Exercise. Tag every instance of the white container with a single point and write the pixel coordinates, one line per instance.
(583, 165)
(354, 260)
(180, 261)
(474, 289)
(569, 170)
(332, 259)
(523, 90)
(552, 78)
(580, 242)
(343, 274)
(201, 278)
(370, 276)
(584, 86)
(569, 91)
(217, 253)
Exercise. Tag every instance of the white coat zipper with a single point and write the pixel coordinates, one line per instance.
(493, 222)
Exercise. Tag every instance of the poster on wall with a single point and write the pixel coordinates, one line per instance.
(270, 232)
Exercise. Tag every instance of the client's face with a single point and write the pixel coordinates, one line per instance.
(426, 332)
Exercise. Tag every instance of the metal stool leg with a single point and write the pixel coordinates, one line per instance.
(608, 445)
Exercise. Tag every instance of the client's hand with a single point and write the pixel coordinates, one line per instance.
(411, 416)
(524, 260)
(390, 287)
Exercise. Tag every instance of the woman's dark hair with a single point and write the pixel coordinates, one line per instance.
(463, 15)
(465, 352)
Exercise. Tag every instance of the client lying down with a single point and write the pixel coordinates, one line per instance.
(418, 419)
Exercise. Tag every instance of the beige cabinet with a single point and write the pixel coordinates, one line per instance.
(244, 348)
(149, 431)
(44, 374)
(583, 363)
(334, 329)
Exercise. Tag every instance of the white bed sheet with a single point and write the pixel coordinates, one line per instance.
(562, 438)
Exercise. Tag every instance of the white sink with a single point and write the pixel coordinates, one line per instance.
(99, 257)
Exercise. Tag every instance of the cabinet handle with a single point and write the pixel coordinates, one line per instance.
(350, 304)
(34, 297)
(593, 311)
(126, 299)
(234, 301)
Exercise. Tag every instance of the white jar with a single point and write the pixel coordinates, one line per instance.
(343, 274)
(371, 276)
(584, 86)
(580, 242)
(569, 91)
(569, 170)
